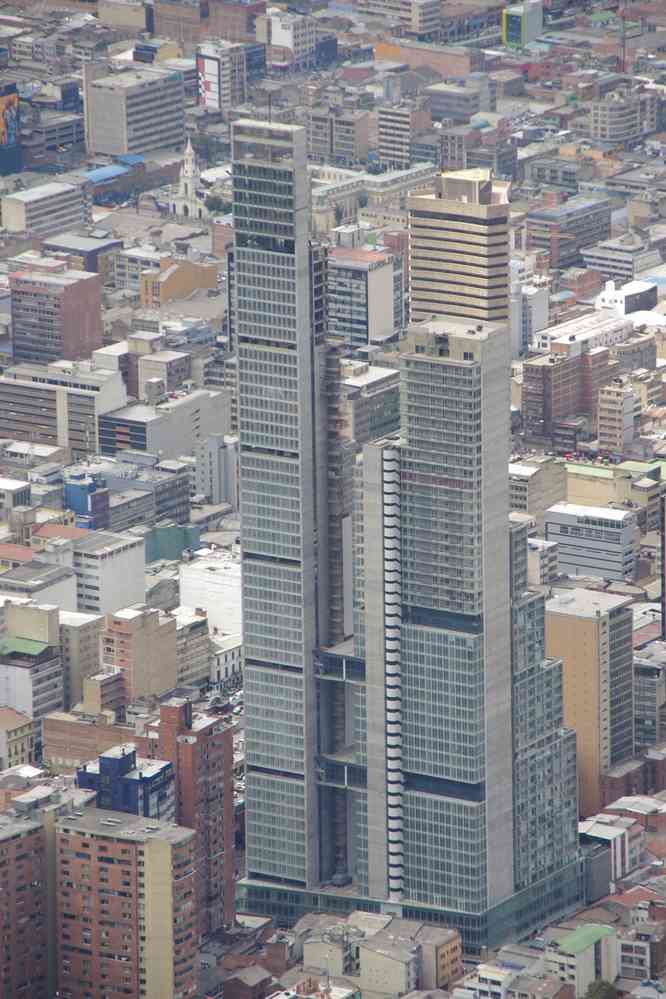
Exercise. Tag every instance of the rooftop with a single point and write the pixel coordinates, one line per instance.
(41, 191)
(11, 719)
(594, 512)
(342, 256)
(104, 541)
(10, 645)
(34, 575)
(84, 244)
(120, 825)
(131, 78)
(13, 485)
(585, 603)
(584, 937)
(15, 553)
(580, 203)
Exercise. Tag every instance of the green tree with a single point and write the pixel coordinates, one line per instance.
(217, 205)
(601, 990)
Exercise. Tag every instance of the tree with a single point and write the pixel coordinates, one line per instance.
(217, 205)
(601, 990)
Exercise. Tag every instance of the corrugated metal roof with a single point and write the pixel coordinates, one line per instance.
(105, 173)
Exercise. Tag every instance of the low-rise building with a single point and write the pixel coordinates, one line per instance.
(17, 738)
(80, 651)
(168, 427)
(621, 258)
(593, 541)
(125, 782)
(31, 680)
(140, 641)
(110, 571)
(227, 662)
(618, 410)
(194, 650)
(338, 135)
(542, 562)
(581, 956)
(211, 580)
(536, 482)
(59, 404)
(45, 209)
(564, 229)
(650, 695)
(624, 837)
(364, 295)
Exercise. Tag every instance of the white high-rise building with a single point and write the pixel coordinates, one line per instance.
(221, 73)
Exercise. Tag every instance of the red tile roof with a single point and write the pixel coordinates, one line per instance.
(60, 531)
(16, 553)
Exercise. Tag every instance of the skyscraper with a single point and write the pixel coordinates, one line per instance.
(427, 735)
(459, 248)
(281, 371)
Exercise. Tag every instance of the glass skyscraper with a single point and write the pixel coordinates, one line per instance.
(422, 767)
(281, 370)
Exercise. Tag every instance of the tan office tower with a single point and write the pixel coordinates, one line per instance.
(459, 248)
(591, 632)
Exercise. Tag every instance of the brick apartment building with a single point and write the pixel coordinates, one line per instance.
(56, 312)
(200, 748)
(127, 907)
(23, 911)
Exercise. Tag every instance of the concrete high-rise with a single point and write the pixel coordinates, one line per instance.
(133, 111)
(459, 248)
(221, 72)
(141, 642)
(56, 312)
(279, 330)
(453, 648)
(434, 724)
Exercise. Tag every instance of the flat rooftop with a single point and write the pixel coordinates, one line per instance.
(585, 603)
(596, 512)
(580, 203)
(14, 825)
(104, 541)
(58, 279)
(13, 485)
(11, 719)
(120, 825)
(522, 471)
(584, 937)
(358, 258)
(131, 78)
(42, 191)
(84, 244)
